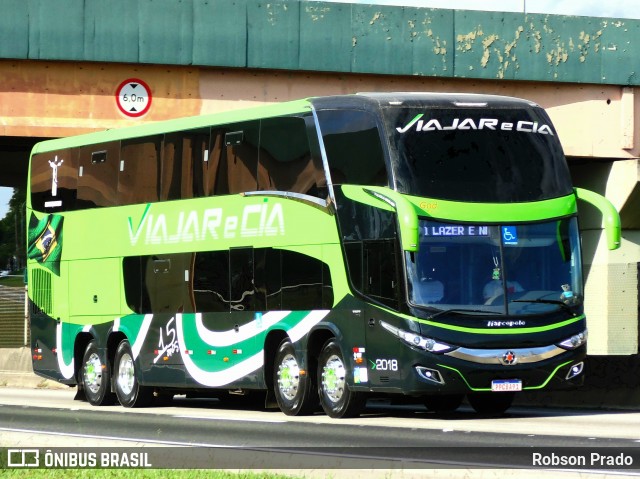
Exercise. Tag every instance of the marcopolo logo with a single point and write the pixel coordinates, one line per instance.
(420, 124)
(262, 219)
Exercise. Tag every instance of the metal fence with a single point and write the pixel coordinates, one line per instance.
(13, 317)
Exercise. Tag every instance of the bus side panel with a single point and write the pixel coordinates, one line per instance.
(155, 347)
(94, 287)
(53, 348)
(390, 362)
(197, 350)
(43, 344)
(222, 350)
(52, 337)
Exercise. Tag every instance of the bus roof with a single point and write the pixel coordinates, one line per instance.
(423, 99)
(369, 101)
(177, 124)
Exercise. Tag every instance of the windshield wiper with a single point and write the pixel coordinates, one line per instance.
(557, 302)
(463, 311)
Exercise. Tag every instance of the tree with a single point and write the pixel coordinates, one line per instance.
(12, 233)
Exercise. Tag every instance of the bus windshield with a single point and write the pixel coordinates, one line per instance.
(503, 269)
(480, 155)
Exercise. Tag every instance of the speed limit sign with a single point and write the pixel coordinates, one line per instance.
(133, 97)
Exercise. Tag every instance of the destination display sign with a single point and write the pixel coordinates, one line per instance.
(454, 230)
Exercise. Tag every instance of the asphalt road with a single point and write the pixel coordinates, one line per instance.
(384, 438)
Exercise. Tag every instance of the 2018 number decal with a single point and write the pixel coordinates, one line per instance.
(385, 365)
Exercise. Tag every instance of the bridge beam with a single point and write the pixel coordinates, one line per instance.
(47, 99)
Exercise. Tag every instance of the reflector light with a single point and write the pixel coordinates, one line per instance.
(575, 370)
(430, 374)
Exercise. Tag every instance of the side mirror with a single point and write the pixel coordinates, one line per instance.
(610, 215)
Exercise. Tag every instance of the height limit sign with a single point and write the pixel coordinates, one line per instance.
(133, 97)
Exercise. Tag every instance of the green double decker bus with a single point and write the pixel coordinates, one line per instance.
(318, 252)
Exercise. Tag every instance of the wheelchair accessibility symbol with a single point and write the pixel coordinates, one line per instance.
(509, 235)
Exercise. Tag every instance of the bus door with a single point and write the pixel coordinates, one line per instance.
(380, 283)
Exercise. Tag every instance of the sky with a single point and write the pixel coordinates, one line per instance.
(5, 196)
(591, 8)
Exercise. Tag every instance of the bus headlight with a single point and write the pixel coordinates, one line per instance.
(417, 340)
(574, 341)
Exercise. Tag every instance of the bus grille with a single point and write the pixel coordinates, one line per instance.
(41, 293)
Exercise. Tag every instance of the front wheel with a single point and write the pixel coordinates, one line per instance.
(129, 391)
(294, 389)
(96, 376)
(336, 398)
(491, 403)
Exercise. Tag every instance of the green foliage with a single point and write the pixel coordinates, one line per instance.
(16, 281)
(12, 232)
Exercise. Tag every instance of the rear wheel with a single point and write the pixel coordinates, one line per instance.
(336, 398)
(443, 403)
(294, 390)
(96, 375)
(129, 391)
(491, 403)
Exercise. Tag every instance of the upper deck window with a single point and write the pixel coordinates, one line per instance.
(481, 155)
(352, 143)
(286, 160)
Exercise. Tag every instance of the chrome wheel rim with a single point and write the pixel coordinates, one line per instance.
(93, 373)
(126, 376)
(288, 377)
(333, 378)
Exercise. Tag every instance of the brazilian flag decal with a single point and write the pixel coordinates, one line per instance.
(45, 241)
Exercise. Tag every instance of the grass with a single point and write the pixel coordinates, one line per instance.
(12, 281)
(135, 474)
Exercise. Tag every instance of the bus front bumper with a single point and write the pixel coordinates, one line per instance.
(460, 373)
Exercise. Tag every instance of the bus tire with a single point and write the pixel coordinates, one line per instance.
(96, 377)
(491, 403)
(336, 398)
(128, 390)
(441, 403)
(294, 389)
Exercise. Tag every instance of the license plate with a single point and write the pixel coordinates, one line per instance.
(499, 385)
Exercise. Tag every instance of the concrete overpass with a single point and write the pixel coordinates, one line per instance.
(61, 69)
